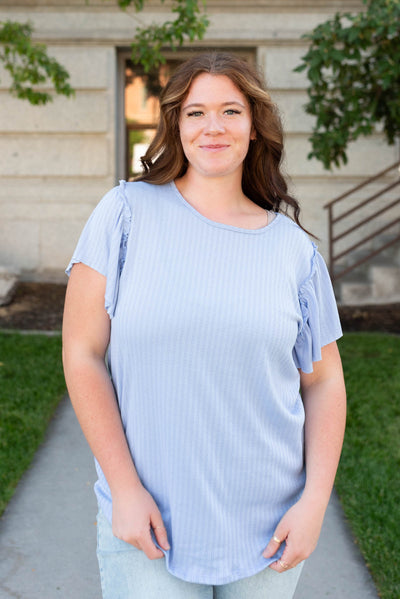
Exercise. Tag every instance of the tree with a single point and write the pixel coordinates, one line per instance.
(189, 24)
(353, 66)
(30, 66)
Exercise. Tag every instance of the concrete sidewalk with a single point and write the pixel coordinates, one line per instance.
(48, 532)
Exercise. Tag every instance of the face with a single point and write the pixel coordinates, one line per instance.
(215, 126)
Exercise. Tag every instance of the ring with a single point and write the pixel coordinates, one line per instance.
(282, 564)
(274, 538)
(155, 528)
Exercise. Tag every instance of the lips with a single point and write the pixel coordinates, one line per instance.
(214, 147)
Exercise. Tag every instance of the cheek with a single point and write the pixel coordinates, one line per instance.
(249, 129)
(186, 132)
(245, 138)
(186, 140)
(243, 130)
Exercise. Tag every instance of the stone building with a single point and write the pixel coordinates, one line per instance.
(57, 161)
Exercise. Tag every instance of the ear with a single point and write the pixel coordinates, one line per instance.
(253, 134)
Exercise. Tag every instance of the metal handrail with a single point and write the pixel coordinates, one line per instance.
(363, 184)
(366, 258)
(366, 201)
(333, 258)
(364, 221)
(368, 238)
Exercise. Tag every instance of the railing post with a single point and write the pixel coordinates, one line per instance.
(331, 222)
(330, 240)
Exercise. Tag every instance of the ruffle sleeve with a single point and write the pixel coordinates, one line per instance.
(320, 319)
(103, 242)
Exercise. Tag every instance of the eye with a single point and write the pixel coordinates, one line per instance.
(231, 111)
(195, 113)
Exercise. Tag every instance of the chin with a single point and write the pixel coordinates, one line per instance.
(220, 171)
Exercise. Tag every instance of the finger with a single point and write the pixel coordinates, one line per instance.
(148, 547)
(160, 531)
(274, 544)
(280, 565)
(161, 536)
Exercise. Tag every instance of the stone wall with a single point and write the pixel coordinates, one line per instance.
(58, 160)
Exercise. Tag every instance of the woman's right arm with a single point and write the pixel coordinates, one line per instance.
(86, 333)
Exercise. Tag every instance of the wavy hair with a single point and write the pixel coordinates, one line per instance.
(262, 180)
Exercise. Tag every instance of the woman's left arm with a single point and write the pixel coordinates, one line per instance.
(324, 397)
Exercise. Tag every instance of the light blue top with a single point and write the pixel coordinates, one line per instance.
(209, 325)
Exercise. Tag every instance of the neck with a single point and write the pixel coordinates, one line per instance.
(217, 195)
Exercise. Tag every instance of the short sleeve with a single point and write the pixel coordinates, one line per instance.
(103, 242)
(320, 319)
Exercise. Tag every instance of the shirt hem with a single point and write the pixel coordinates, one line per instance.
(225, 580)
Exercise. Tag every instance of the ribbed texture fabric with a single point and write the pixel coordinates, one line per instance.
(209, 325)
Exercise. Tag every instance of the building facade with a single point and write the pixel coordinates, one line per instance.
(56, 161)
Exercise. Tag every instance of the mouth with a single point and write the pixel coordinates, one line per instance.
(214, 147)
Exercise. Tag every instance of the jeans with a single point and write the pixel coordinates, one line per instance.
(127, 573)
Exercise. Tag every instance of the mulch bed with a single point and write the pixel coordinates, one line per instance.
(35, 306)
(384, 318)
(39, 306)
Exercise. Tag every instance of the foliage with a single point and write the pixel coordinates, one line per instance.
(31, 385)
(353, 66)
(29, 64)
(368, 479)
(189, 24)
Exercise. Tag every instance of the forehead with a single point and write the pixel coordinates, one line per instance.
(206, 87)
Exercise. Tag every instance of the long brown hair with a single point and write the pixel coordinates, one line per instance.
(262, 180)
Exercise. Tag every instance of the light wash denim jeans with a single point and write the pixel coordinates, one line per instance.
(126, 573)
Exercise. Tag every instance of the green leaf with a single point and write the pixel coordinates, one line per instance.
(190, 24)
(353, 69)
(29, 65)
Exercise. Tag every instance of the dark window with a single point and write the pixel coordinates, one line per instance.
(141, 101)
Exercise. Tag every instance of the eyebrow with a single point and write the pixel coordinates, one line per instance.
(199, 104)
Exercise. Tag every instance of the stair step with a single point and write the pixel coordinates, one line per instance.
(385, 282)
(353, 293)
(383, 287)
(8, 285)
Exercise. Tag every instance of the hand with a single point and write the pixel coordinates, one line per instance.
(133, 516)
(299, 528)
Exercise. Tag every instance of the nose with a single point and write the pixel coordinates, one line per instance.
(214, 125)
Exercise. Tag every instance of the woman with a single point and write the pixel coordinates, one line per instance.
(215, 309)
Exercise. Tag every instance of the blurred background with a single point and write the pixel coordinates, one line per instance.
(58, 159)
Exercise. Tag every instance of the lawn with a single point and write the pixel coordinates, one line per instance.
(31, 385)
(368, 480)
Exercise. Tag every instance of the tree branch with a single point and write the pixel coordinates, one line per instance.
(29, 65)
(353, 66)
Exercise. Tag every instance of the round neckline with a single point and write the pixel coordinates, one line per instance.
(214, 223)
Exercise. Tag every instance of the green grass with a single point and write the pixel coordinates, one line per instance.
(31, 385)
(368, 479)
